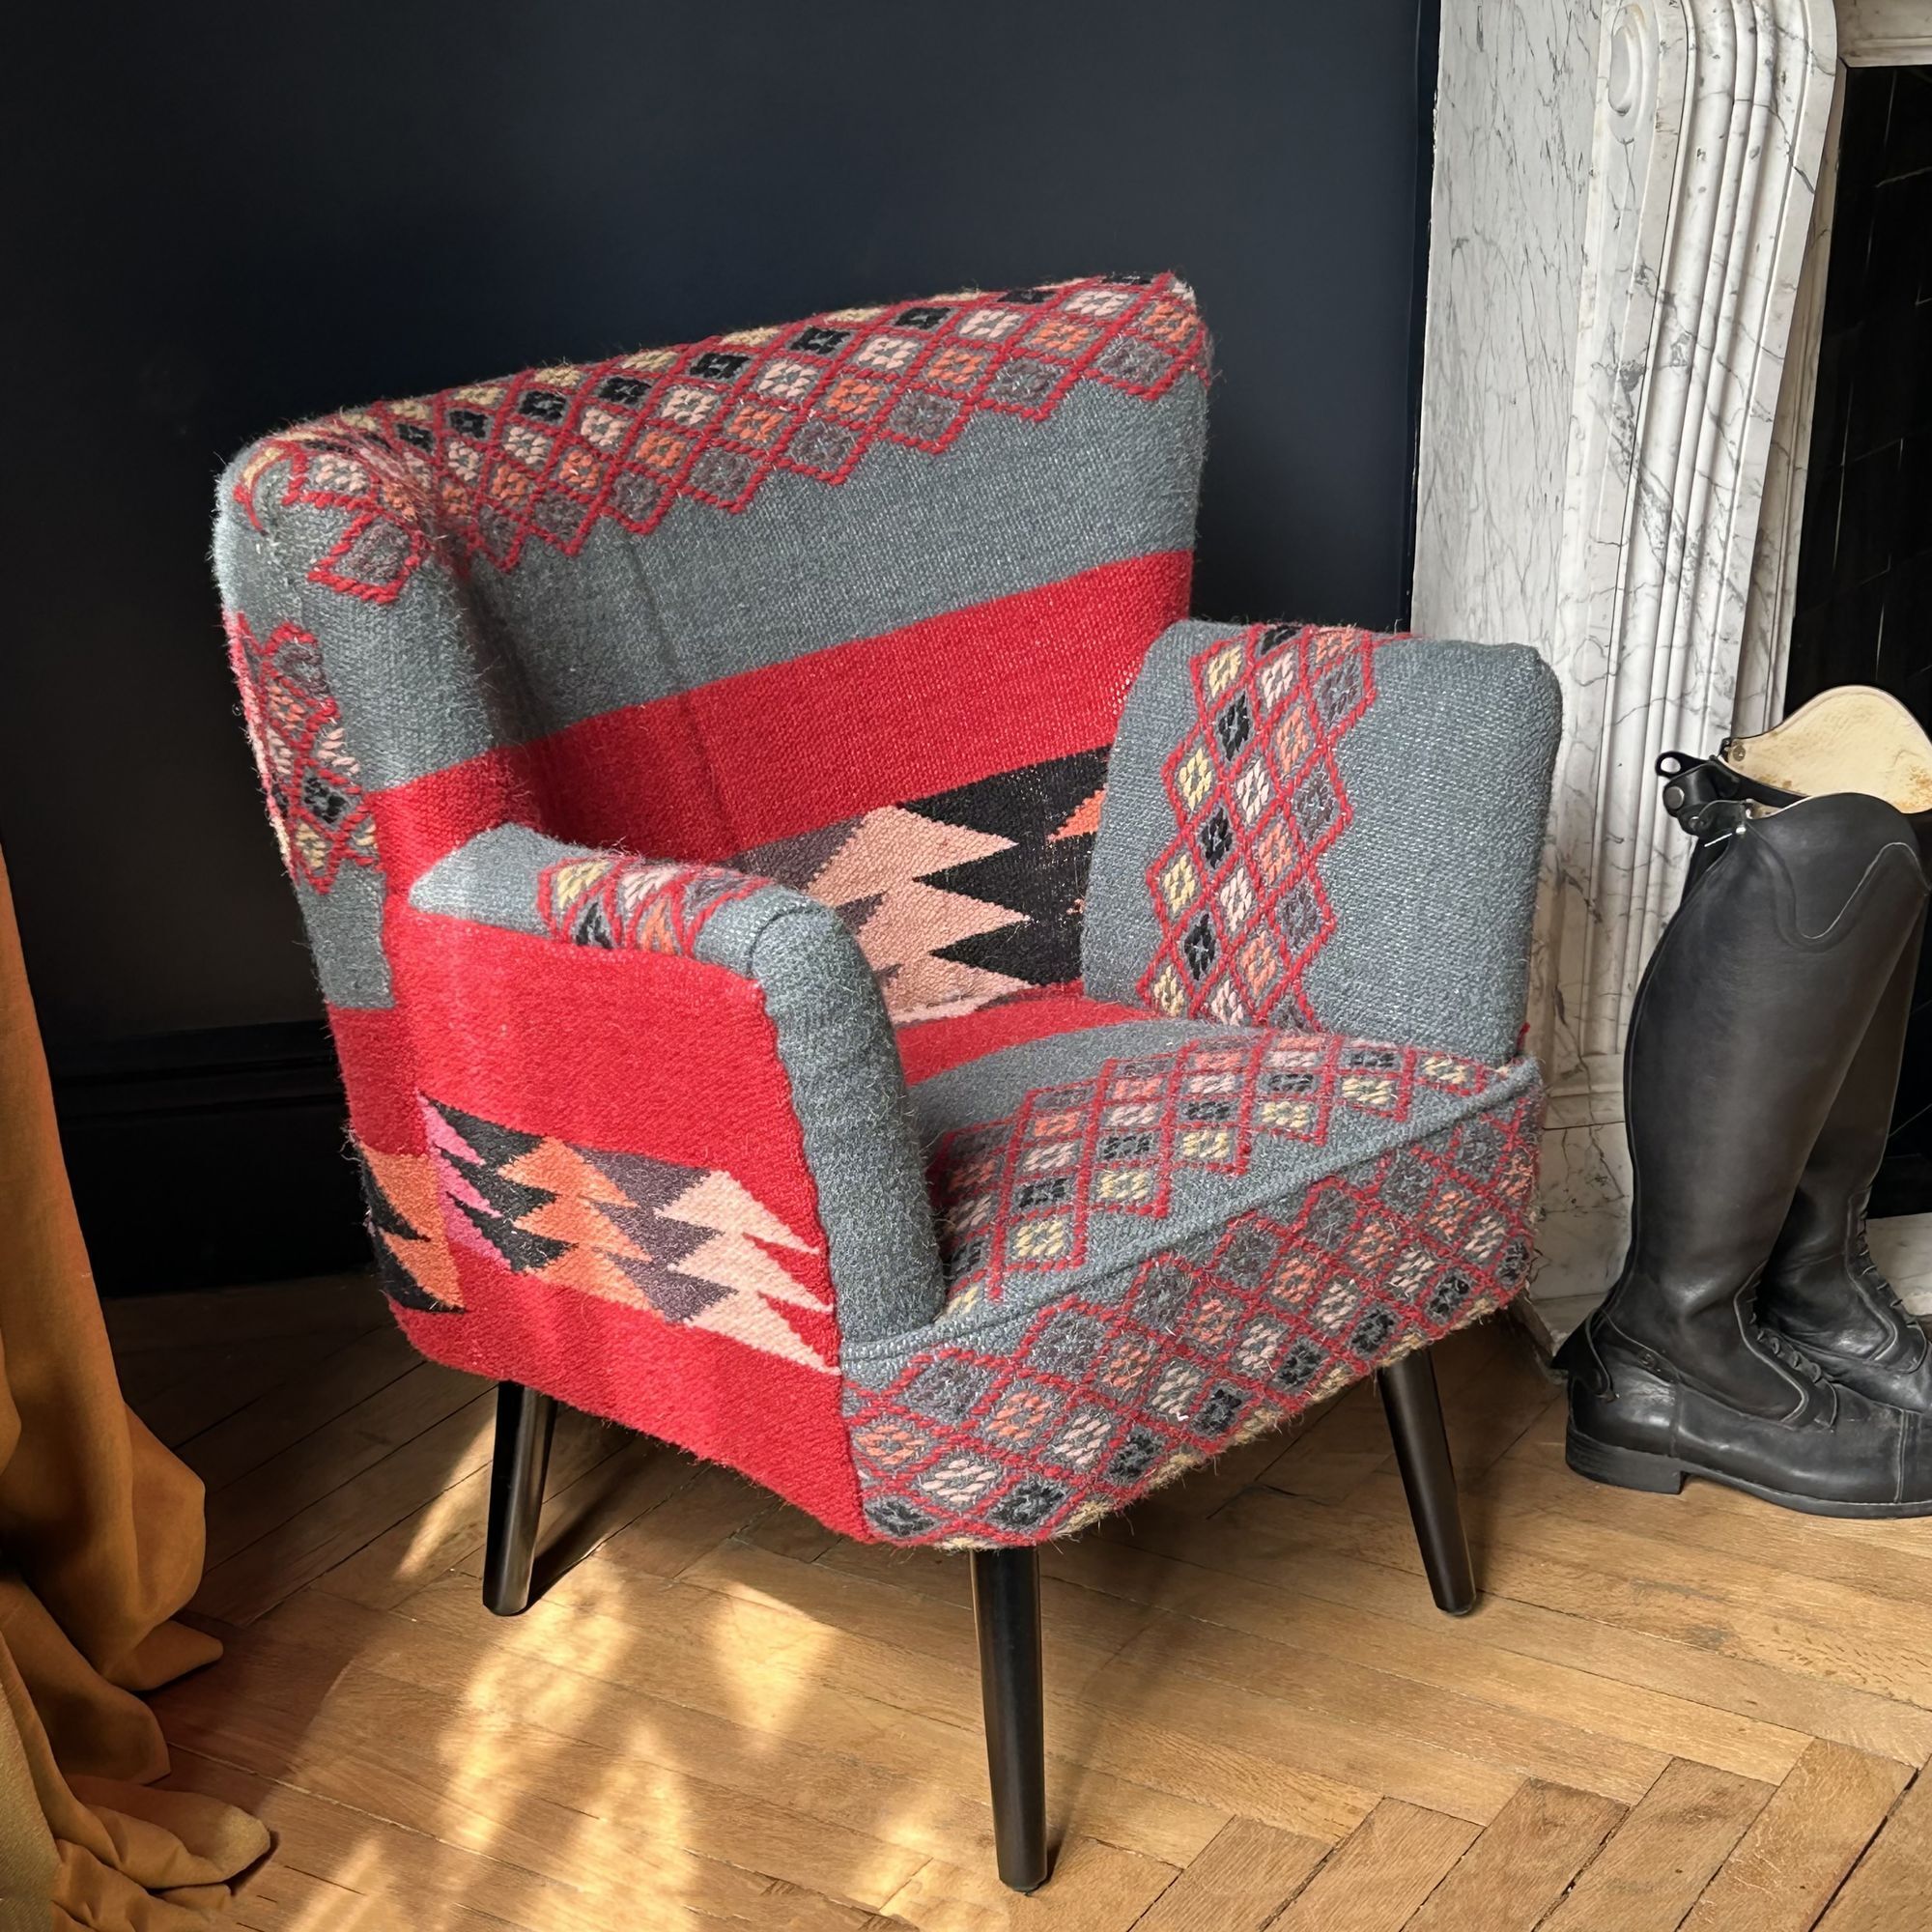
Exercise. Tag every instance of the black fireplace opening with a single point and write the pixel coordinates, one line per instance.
(1862, 610)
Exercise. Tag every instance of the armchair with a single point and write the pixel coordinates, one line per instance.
(789, 1007)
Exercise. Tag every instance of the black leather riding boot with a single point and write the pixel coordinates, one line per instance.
(1745, 1028)
(1822, 1289)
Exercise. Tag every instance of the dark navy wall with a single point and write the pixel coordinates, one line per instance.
(226, 217)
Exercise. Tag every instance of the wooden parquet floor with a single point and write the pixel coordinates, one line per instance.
(1692, 1712)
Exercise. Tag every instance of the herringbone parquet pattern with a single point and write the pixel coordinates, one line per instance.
(1690, 1712)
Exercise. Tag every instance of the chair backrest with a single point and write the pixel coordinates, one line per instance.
(852, 602)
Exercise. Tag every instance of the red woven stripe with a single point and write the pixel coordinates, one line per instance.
(777, 1423)
(571, 1040)
(932, 1046)
(779, 751)
(373, 1044)
(557, 1040)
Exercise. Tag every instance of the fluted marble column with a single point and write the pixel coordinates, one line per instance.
(1621, 199)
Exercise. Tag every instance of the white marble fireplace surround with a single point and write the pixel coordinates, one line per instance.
(1625, 242)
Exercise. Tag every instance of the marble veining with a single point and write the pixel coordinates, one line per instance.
(1622, 193)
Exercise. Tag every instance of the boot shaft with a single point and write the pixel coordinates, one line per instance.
(1821, 1287)
(1747, 1022)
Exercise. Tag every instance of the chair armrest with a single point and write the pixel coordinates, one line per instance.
(1326, 828)
(697, 1010)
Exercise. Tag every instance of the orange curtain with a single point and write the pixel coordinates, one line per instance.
(100, 1542)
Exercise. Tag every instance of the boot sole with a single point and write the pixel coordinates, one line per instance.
(1665, 1476)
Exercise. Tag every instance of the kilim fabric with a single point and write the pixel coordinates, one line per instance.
(689, 1245)
(1258, 799)
(706, 773)
(1017, 1196)
(545, 455)
(613, 901)
(312, 784)
(964, 898)
(1077, 1404)
(1319, 826)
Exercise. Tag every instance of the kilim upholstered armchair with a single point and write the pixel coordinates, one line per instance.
(832, 970)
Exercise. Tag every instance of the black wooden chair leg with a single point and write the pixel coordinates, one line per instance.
(1006, 1608)
(1422, 1454)
(524, 1420)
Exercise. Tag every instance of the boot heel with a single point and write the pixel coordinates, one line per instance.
(1624, 1468)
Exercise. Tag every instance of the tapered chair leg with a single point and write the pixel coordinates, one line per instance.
(1422, 1454)
(524, 1420)
(1006, 1608)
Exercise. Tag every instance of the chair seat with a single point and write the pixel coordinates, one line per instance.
(1161, 1238)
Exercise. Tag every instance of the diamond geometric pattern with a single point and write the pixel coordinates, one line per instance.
(1096, 1403)
(314, 787)
(1258, 800)
(635, 905)
(1014, 1196)
(689, 1245)
(547, 455)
